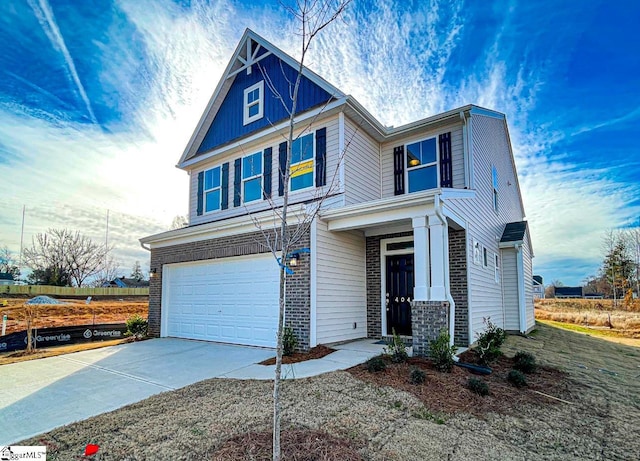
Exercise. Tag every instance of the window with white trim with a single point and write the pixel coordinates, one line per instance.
(253, 103)
(494, 177)
(485, 257)
(497, 268)
(302, 163)
(252, 177)
(422, 165)
(212, 189)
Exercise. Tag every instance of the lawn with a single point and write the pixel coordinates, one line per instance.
(211, 420)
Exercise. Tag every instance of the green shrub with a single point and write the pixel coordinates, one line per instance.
(137, 327)
(417, 376)
(489, 342)
(289, 341)
(478, 386)
(396, 349)
(441, 352)
(375, 364)
(525, 362)
(517, 378)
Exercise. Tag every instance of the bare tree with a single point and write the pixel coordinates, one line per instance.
(312, 16)
(109, 271)
(66, 252)
(8, 263)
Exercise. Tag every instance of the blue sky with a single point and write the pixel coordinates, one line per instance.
(98, 100)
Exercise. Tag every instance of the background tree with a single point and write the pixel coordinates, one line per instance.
(109, 271)
(8, 263)
(136, 272)
(63, 252)
(179, 221)
(618, 267)
(52, 276)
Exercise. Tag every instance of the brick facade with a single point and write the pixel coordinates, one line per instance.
(458, 284)
(428, 319)
(298, 286)
(374, 282)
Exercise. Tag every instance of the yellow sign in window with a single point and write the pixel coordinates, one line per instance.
(301, 168)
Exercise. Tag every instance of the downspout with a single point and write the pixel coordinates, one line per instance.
(146, 248)
(447, 288)
(521, 294)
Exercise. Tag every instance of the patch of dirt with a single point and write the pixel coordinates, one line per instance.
(314, 353)
(448, 393)
(298, 445)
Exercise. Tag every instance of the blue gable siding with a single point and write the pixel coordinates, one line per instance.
(227, 125)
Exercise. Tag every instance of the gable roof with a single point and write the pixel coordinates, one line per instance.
(568, 291)
(251, 49)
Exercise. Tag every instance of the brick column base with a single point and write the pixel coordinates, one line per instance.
(428, 318)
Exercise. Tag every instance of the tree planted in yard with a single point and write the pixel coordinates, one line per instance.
(66, 253)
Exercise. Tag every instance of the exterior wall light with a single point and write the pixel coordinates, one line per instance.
(293, 259)
(152, 272)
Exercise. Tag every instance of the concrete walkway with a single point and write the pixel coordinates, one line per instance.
(39, 395)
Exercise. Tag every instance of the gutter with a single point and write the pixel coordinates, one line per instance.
(447, 287)
(146, 248)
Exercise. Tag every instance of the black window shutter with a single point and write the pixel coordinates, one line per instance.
(200, 193)
(237, 181)
(266, 174)
(225, 186)
(446, 165)
(321, 155)
(282, 152)
(398, 170)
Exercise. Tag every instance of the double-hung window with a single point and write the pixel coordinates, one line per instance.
(422, 165)
(253, 103)
(497, 268)
(212, 189)
(252, 177)
(302, 162)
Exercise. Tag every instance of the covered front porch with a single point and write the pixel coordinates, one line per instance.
(416, 266)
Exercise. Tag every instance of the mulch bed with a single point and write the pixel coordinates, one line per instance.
(296, 445)
(448, 392)
(314, 353)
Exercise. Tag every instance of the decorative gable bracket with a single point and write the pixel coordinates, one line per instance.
(247, 57)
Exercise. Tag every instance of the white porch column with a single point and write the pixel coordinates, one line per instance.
(420, 258)
(436, 237)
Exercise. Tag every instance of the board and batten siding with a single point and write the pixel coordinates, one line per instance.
(457, 153)
(490, 146)
(341, 296)
(361, 165)
(258, 146)
(511, 293)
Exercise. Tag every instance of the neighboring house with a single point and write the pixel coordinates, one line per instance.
(6, 278)
(423, 230)
(123, 282)
(538, 287)
(568, 292)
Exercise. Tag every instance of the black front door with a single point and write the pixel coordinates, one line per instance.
(399, 294)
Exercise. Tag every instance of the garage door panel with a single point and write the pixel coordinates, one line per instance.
(229, 300)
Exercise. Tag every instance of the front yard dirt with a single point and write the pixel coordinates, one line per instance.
(383, 422)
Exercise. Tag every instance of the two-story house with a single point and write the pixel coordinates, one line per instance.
(422, 227)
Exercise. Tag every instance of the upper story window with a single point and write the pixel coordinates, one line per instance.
(302, 162)
(252, 177)
(253, 103)
(494, 177)
(422, 165)
(497, 268)
(211, 189)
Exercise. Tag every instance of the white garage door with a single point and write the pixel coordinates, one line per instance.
(231, 300)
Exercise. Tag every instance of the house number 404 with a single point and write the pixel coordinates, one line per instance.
(402, 299)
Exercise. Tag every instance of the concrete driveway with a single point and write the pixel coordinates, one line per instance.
(40, 395)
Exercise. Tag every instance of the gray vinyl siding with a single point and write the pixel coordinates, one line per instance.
(528, 284)
(510, 286)
(341, 297)
(258, 146)
(361, 164)
(490, 147)
(457, 152)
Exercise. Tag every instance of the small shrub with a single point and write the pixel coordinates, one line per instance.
(396, 349)
(478, 386)
(489, 342)
(417, 376)
(289, 341)
(376, 364)
(137, 327)
(442, 353)
(525, 362)
(517, 378)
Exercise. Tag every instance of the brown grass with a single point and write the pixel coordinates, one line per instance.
(76, 312)
(21, 356)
